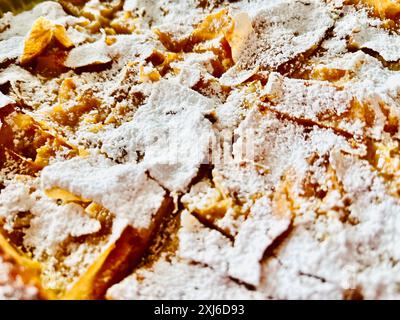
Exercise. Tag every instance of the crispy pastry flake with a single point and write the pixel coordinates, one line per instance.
(42, 33)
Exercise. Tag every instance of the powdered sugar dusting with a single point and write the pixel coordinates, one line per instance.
(125, 190)
(284, 31)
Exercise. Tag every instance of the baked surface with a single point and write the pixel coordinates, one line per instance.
(200, 150)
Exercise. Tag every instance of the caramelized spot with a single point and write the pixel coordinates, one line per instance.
(327, 74)
(384, 9)
(29, 142)
(213, 26)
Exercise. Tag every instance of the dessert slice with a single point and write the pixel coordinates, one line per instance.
(137, 203)
(87, 222)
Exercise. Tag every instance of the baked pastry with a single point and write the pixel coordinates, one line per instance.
(200, 150)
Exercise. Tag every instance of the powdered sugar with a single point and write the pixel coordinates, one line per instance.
(306, 99)
(162, 131)
(50, 224)
(20, 24)
(11, 48)
(125, 189)
(240, 259)
(284, 31)
(83, 55)
(5, 100)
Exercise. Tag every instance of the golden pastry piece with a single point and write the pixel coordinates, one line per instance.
(42, 33)
(20, 275)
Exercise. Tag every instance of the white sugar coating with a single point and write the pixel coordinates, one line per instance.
(50, 227)
(14, 198)
(50, 223)
(309, 210)
(381, 41)
(252, 8)
(343, 28)
(88, 54)
(13, 74)
(179, 280)
(12, 287)
(261, 228)
(181, 15)
(11, 48)
(370, 79)
(80, 257)
(127, 48)
(353, 183)
(232, 111)
(123, 189)
(284, 31)
(343, 254)
(25, 86)
(178, 13)
(194, 67)
(133, 48)
(320, 101)
(202, 198)
(162, 134)
(20, 25)
(307, 254)
(198, 243)
(283, 283)
(306, 99)
(77, 37)
(263, 141)
(235, 76)
(242, 258)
